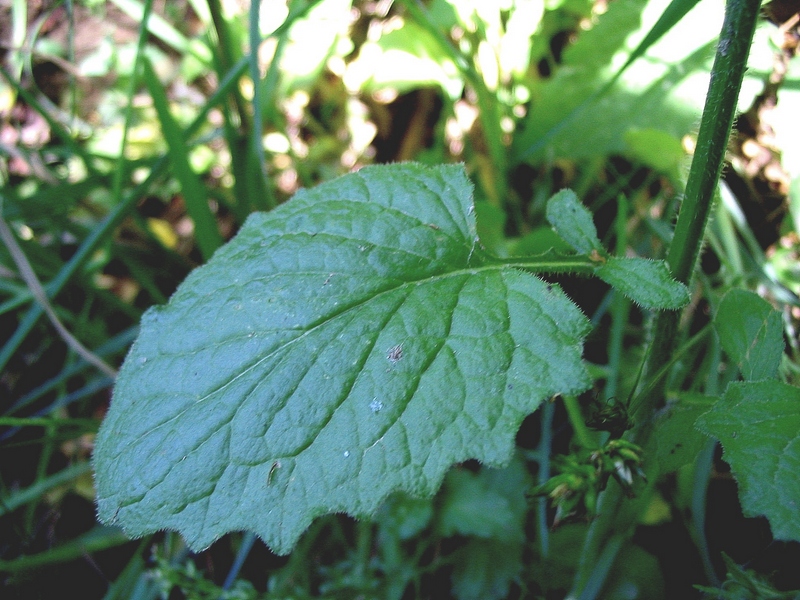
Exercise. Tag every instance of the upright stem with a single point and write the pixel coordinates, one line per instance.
(227, 59)
(712, 141)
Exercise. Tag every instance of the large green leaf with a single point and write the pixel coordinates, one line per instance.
(758, 424)
(353, 342)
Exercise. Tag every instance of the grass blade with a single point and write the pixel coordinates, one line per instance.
(194, 193)
(31, 493)
(673, 13)
(97, 539)
(165, 32)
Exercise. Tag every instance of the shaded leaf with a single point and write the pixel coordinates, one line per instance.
(758, 424)
(677, 442)
(487, 504)
(751, 332)
(485, 569)
(404, 516)
(351, 343)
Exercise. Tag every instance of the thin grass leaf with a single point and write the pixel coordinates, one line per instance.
(671, 16)
(194, 192)
(87, 424)
(116, 182)
(116, 344)
(90, 389)
(118, 213)
(31, 493)
(57, 129)
(19, 33)
(264, 95)
(165, 32)
(99, 538)
(105, 227)
(136, 582)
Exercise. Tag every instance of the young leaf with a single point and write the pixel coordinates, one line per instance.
(758, 424)
(351, 343)
(573, 222)
(646, 282)
(751, 332)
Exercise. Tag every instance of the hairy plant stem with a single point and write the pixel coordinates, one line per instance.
(618, 517)
(712, 142)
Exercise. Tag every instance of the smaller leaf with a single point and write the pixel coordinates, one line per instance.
(194, 192)
(677, 443)
(487, 504)
(404, 516)
(741, 583)
(751, 332)
(646, 282)
(485, 569)
(758, 424)
(573, 222)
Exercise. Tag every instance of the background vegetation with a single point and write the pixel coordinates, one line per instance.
(135, 139)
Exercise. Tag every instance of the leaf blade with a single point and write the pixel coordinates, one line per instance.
(573, 222)
(353, 343)
(647, 282)
(758, 424)
(751, 332)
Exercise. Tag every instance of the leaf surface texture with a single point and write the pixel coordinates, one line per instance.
(353, 342)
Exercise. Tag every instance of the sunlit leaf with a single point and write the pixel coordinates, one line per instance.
(354, 342)
(646, 282)
(573, 222)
